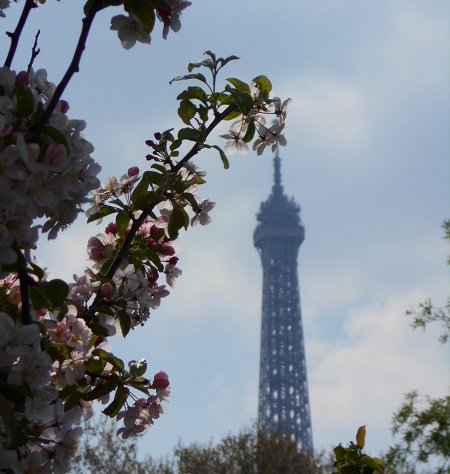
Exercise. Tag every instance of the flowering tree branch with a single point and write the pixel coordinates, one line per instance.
(54, 340)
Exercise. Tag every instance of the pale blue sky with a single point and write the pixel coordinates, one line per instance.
(367, 159)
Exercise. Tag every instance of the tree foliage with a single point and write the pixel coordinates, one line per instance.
(248, 452)
(423, 422)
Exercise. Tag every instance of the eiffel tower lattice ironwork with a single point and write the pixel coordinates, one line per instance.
(283, 385)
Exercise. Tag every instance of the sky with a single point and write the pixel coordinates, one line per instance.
(367, 159)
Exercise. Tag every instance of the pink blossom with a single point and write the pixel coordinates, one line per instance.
(160, 380)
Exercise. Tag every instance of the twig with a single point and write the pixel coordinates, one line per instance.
(196, 148)
(71, 70)
(24, 295)
(34, 51)
(29, 5)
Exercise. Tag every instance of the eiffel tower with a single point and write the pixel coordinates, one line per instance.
(283, 385)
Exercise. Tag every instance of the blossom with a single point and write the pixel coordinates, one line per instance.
(201, 215)
(172, 273)
(136, 419)
(129, 29)
(235, 138)
(269, 137)
(171, 15)
(32, 367)
(74, 368)
(281, 108)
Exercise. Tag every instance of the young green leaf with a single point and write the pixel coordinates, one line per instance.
(120, 398)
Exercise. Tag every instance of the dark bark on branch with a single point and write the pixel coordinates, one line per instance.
(29, 5)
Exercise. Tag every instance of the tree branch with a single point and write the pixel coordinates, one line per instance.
(29, 5)
(196, 148)
(24, 295)
(71, 70)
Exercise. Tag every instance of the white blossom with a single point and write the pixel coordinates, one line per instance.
(129, 29)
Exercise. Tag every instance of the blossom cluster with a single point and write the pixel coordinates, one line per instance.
(270, 136)
(45, 177)
(35, 382)
(56, 355)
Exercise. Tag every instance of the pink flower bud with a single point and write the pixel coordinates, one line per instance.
(94, 249)
(154, 231)
(133, 171)
(151, 243)
(99, 340)
(22, 78)
(107, 290)
(160, 380)
(157, 136)
(111, 228)
(168, 250)
(64, 106)
(173, 260)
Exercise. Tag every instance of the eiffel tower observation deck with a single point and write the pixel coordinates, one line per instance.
(283, 385)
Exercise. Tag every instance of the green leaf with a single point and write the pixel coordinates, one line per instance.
(73, 399)
(56, 291)
(102, 388)
(144, 11)
(154, 258)
(57, 136)
(142, 187)
(193, 92)
(203, 112)
(373, 463)
(189, 134)
(111, 358)
(143, 202)
(161, 168)
(263, 83)
(37, 270)
(191, 200)
(102, 212)
(242, 86)
(250, 133)
(186, 77)
(125, 322)
(122, 221)
(233, 114)
(25, 100)
(178, 219)
(223, 157)
(38, 297)
(340, 452)
(98, 329)
(243, 100)
(224, 61)
(119, 401)
(187, 111)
